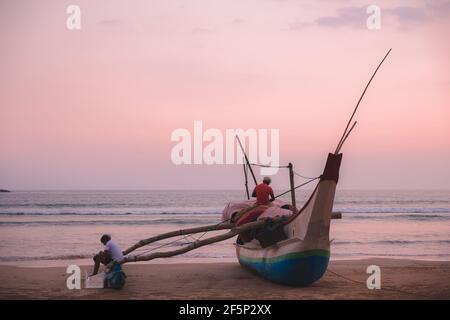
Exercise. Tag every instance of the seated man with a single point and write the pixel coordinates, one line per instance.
(263, 191)
(112, 252)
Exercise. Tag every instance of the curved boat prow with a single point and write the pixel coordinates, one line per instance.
(303, 257)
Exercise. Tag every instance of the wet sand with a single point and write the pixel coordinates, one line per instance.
(400, 279)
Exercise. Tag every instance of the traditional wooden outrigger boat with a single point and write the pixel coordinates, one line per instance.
(282, 244)
(302, 256)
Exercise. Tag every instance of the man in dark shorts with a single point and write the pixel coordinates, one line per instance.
(112, 252)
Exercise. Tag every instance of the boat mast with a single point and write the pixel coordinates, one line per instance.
(291, 180)
(246, 159)
(246, 180)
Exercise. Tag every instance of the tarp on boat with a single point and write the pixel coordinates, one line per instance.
(277, 208)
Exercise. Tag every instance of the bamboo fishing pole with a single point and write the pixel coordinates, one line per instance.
(346, 136)
(246, 181)
(246, 159)
(341, 141)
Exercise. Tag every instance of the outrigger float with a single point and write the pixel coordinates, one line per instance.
(278, 242)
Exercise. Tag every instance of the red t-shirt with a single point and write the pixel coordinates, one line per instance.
(263, 191)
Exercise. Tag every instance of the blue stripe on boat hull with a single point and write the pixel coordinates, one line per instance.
(298, 271)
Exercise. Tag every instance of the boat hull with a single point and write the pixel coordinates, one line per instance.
(295, 268)
(302, 258)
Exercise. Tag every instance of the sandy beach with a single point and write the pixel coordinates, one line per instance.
(400, 279)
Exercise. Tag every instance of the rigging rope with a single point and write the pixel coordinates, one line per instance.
(280, 167)
(383, 288)
(302, 176)
(300, 185)
(176, 240)
(161, 246)
(268, 166)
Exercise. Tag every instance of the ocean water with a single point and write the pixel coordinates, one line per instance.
(40, 228)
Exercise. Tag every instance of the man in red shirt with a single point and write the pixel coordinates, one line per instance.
(262, 192)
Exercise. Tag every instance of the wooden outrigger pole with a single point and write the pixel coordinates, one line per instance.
(194, 245)
(199, 243)
(182, 232)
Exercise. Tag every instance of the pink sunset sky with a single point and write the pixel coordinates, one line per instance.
(94, 108)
